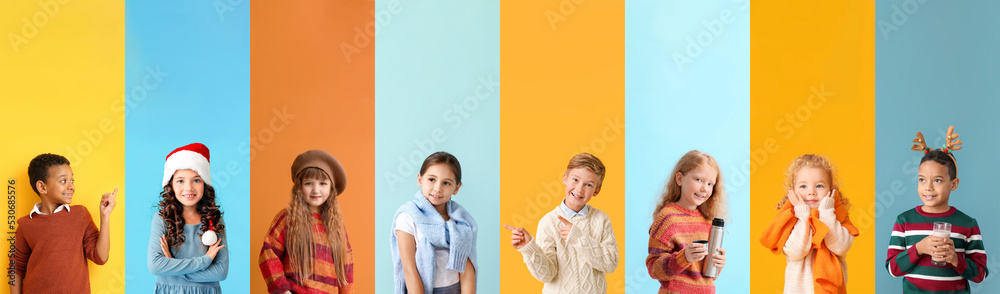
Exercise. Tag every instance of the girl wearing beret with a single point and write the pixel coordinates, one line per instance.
(306, 250)
(187, 251)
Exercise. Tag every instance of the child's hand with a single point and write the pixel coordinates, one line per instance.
(695, 252)
(519, 237)
(720, 259)
(945, 252)
(928, 244)
(108, 203)
(794, 198)
(827, 212)
(214, 249)
(827, 201)
(800, 211)
(164, 247)
(565, 227)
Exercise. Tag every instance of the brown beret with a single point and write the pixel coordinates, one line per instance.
(322, 160)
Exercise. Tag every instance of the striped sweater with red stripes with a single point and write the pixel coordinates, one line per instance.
(919, 274)
(672, 231)
(277, 268)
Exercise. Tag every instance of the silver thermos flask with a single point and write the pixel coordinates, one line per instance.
(714, 242)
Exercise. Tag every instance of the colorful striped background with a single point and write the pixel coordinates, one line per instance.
(381, 84)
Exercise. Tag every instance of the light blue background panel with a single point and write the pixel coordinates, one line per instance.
(687, 86)
(437, 88)
(935, 66)
(187, 68)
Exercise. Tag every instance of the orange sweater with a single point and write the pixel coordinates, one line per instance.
(827, 270)
(672, 231)
(47, 253)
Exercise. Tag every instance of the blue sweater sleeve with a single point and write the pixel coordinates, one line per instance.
(219, 268)
(160, 265)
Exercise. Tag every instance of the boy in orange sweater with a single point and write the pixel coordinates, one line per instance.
(47, 253)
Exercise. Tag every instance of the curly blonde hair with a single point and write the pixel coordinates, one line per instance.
(814, 161)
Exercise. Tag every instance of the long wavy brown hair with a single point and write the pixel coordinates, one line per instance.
(300, 227)
(172, 212)
(715, 205)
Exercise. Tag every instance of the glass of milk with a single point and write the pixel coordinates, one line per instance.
(941, 230)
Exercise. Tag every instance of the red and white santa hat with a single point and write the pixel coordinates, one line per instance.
(194, 157)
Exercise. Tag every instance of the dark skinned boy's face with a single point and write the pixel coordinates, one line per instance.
(58, 188)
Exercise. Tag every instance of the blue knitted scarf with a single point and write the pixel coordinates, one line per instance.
(457, 234)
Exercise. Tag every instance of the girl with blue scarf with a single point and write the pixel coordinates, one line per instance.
(434, 238)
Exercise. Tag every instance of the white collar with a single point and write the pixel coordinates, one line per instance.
(569, 211)
(38, 210)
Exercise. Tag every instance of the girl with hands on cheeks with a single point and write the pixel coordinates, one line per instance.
(812, 229)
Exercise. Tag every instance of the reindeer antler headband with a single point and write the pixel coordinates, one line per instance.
(951, 144)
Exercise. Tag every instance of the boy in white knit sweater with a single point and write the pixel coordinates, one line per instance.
(575, 247)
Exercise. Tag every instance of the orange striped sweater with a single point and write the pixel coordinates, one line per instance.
(671, 232)
(279, 274)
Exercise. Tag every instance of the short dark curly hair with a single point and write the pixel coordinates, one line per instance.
(944, 158)
(38, 169)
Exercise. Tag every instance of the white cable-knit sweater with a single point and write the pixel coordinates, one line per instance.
(577, 264)
(799, 270)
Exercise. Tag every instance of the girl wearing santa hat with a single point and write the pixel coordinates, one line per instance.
(187, 249)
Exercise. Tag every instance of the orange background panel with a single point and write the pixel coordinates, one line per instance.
(306, 94)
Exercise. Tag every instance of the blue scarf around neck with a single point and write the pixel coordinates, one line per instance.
(457, 234)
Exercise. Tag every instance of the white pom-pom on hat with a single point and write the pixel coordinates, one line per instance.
(209, 238)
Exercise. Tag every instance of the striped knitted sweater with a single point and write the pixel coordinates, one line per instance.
(277, 268)
(672, 231)
(920, 276)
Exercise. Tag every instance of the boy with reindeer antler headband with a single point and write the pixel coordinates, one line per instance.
(914, 252)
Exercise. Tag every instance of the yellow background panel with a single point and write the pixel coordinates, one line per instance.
(61, 85)
(563, 93)
(812, 91)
